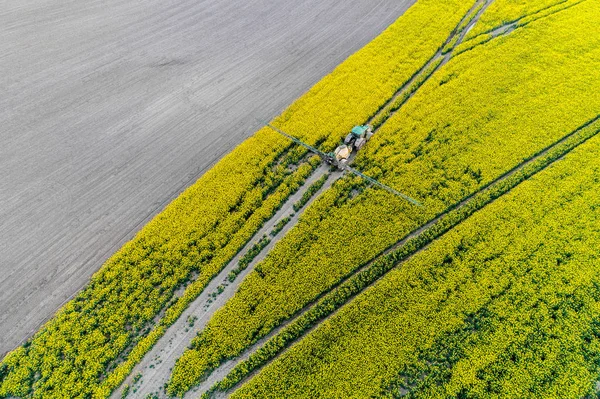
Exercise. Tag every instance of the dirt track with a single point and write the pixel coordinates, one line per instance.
(109, 109)
(156, 366)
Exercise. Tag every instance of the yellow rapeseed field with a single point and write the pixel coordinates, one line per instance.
(506, 304)
(479, 116)
(93, 342)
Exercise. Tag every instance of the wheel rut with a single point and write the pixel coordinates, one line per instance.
(439, 59)
(509, 27)
(155, 367)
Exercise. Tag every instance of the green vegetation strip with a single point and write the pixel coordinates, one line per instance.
(308, 194)
(280, 225)
(249, 257)
(378, 268)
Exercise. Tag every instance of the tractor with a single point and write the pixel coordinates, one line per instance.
(354, 141)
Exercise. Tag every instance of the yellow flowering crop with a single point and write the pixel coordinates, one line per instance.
(505, 305)
(92, 343)
(480, 115)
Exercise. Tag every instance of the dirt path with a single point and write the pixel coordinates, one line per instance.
(158, 363)
(439, 59)
(110, 108)
(156, 366)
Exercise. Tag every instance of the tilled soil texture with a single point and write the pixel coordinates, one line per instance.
(110, 108)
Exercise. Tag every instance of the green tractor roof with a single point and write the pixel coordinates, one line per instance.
(359, 130)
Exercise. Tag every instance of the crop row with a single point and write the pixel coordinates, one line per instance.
(382, 265)
(280, 225)
(476, 118)
(507, 304)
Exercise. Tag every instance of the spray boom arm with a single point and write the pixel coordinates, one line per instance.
(327, 157)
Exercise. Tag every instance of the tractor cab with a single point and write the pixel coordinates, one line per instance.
(358, 136)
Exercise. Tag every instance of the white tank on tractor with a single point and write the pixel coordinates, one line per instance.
(342, 153)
